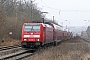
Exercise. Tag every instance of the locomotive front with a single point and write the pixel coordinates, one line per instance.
(31, 35)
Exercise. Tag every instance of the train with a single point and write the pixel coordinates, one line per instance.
(38, 34)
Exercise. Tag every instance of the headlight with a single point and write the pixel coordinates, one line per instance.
(37, 40)
(25, 39)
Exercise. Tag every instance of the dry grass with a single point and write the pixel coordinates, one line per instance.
(9, 41)
(75, 49)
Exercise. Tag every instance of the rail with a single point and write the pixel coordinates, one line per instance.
(85, 39)
(17, 56)
(9, 47)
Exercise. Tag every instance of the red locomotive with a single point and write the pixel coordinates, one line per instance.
(39, 34)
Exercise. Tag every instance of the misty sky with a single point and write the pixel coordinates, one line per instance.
(75, 13)
(67, 12)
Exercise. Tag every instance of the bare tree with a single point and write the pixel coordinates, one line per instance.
(13, 13)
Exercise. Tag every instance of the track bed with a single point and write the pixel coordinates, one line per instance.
(74, 49)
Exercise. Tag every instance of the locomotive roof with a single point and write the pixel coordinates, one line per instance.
(44, 25)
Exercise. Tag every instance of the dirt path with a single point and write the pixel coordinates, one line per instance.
(75, 49)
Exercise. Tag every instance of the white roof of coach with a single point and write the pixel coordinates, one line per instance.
(65, 29)
(46, 25)
(58, 27)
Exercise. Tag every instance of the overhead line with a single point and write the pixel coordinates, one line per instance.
(61, 9)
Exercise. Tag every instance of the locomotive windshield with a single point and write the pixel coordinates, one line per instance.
(32, 27)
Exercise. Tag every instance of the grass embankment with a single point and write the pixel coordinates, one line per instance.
(9, 41)
(75, 49)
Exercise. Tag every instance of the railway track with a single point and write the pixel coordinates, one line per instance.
(17, 56)
(86, 39)
(5, 50)
(14, 52)
(9, 47)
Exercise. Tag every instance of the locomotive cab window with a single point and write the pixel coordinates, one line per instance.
(32, 27)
